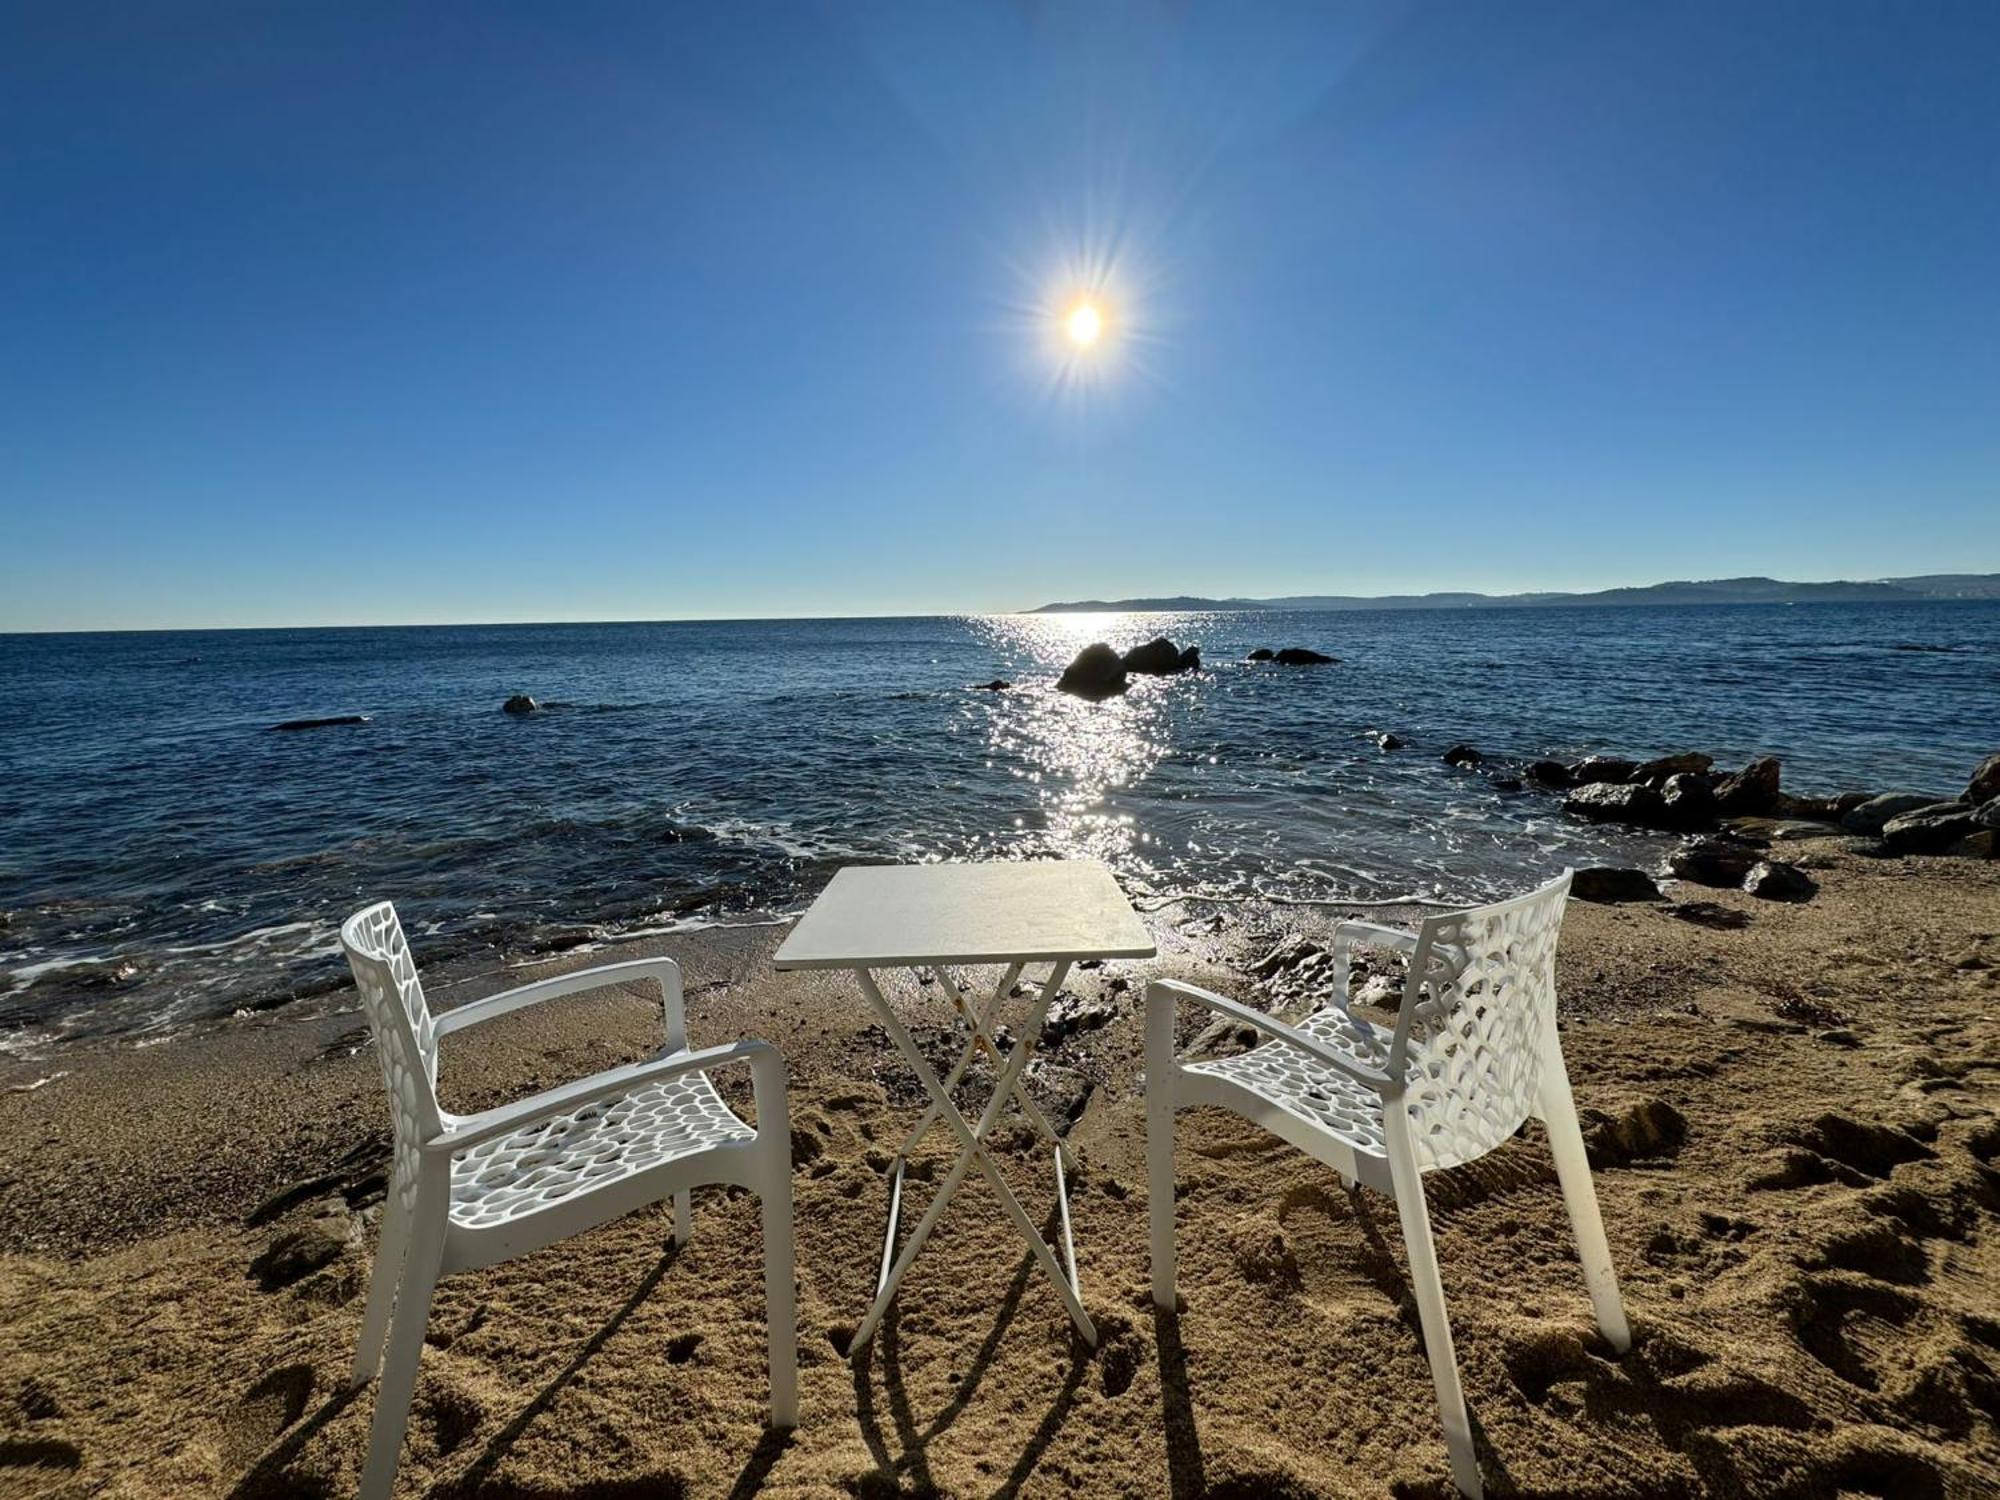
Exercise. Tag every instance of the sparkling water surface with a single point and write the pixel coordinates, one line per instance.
(168, 857)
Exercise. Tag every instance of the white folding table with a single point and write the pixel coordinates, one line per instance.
(933, 917)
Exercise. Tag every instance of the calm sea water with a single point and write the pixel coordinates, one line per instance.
(167, 857)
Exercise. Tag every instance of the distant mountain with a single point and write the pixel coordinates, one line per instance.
(1176, 602)
(1710, 591)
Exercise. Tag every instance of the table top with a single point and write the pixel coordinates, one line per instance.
(902, 916)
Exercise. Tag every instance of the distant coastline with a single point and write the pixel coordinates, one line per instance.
(1923, 587)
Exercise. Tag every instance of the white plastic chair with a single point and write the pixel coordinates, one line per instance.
(471, 1190)
(1473, 1054)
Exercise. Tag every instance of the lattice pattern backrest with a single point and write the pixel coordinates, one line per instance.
(405, 1035)
(1469, 1041)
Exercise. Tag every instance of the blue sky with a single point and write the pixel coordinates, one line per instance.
(352, 313)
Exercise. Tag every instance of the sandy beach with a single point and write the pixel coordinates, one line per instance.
(1793, 1122)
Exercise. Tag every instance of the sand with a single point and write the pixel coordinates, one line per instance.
(1795, 1129)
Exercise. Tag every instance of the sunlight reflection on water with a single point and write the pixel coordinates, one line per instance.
(1237, 781)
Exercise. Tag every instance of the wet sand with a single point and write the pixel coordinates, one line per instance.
(1795, 1122)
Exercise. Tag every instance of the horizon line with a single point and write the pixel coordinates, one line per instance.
(1582, 600)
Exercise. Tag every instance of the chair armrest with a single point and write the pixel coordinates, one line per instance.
(1169, 991)
(767, 1076)
(664, 970)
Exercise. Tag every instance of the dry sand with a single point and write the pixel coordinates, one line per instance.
(1796, 1132)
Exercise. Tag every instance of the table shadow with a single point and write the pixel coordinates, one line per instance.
(907, 1471)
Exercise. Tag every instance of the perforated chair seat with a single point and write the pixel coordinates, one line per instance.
(1280, 1074)
(595, 1147)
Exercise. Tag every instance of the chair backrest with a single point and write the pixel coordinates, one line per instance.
(405, 1035)
(1479, 1007)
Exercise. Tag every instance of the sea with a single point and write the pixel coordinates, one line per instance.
(168, 857)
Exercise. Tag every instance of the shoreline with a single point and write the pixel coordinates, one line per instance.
(1795, 1124)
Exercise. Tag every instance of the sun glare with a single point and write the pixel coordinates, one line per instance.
(1084, 325)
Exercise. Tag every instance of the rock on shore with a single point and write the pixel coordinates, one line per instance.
(1985, 784)
(1929, 830)
(1869, 817)
(1754, 789)
(1608, 884)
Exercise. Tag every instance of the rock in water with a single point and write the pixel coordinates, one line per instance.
(1608, 802)
(1593, 769)
(1299, 656)
(1688, 763)
(1262, 653)
(1097, 673)
(322, 723)
(1985, 783)
(1715, 862)
(1774, 880)
(1159, 657)
(1462, 755)
(1548, 773)
(1930, 830)
(1387, 741)
(997, 685)
(1607, 883)
(520, 703)
(1754, 789)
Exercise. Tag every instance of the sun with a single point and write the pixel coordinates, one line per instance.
(1084, 325)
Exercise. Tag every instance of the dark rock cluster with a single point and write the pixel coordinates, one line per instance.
(1099, 672)
(1731, 817)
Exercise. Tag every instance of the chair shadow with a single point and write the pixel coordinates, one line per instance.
(1187, 1477)
(1380, 1266)
(474, 1479)
(763, 1459)
(267, 1479)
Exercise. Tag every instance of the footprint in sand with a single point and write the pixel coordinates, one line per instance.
(264, 1411)
(454, 1416)
(1673, 1383)
(1870, 1301)
(1338, 1258)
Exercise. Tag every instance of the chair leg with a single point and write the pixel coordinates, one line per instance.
(780, 1291)
(1580, 1197)
(406, 1345)
(683, 1216)
(1160, 1077)
(390, 1249)
(1428, 1286)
